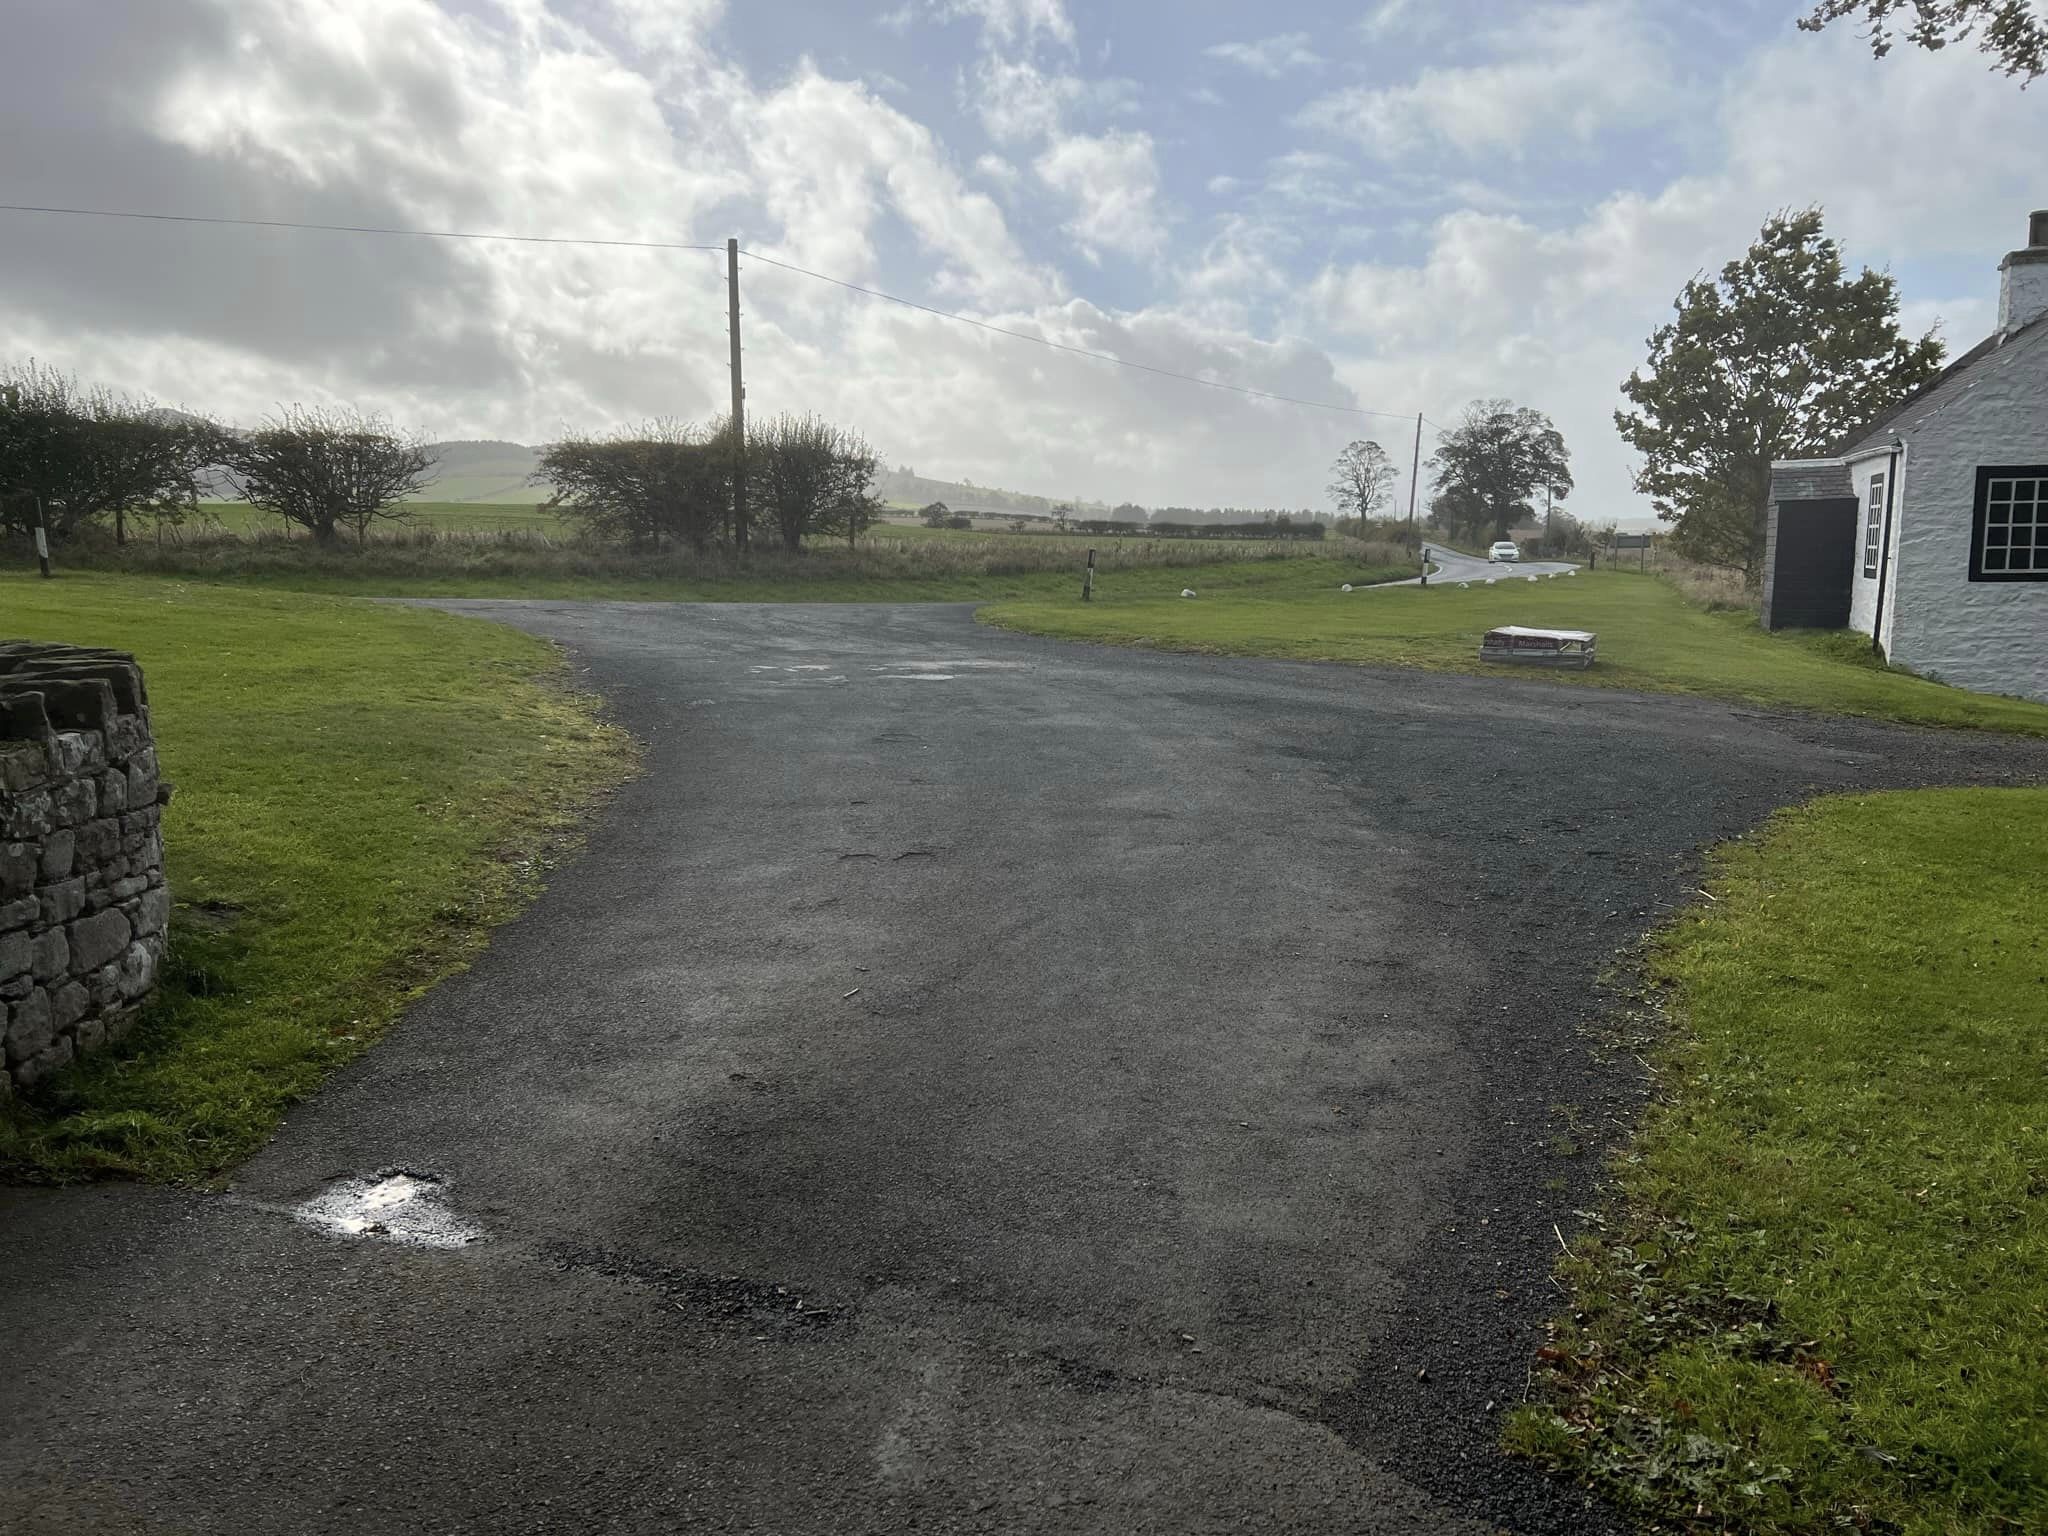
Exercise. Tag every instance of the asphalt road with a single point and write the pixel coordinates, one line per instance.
(1449, 566)
(1141, 1069)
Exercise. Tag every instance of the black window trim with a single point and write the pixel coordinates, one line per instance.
(1980, 518)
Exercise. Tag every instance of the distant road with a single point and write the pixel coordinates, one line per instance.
(1450, 565)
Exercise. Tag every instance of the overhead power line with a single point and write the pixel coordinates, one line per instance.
(679, 245)
(357, 229)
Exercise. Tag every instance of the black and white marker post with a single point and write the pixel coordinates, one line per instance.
(1088, 581)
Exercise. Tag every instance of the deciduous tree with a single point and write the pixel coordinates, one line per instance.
(1362, 480)
(1491, 466)
(810, 477)
(2013, 32)
(328, 469)
(662, 482)
(87, 453)
(1778, 358)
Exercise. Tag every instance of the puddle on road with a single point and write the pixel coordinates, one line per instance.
(397, 1207)
(953, 664)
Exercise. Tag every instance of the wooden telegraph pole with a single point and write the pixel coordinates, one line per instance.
(739, 397)
(1415, 472)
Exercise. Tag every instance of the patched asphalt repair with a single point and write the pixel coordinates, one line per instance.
(969, 1083)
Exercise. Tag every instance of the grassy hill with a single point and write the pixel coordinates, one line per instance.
(493, 473)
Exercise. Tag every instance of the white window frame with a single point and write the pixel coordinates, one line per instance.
(1873, 524)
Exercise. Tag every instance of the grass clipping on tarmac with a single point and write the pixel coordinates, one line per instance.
(1819, 1298)
(362, 793)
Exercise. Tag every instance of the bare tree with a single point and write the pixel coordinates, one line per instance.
(83, 453)
(2011, 31)
(811, 477)
(328, 469)
(1362, 480)
(662, 481)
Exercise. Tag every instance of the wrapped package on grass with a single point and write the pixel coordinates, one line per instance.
(1522, 646)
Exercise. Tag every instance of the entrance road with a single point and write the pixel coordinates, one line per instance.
(1141, 1069)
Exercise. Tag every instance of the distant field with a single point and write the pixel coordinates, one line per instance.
(492, 490)
(508, 563)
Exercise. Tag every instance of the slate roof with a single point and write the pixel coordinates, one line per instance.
(1878, 433)
(1809, 479)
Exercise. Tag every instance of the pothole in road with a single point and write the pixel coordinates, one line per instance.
(397, 1207)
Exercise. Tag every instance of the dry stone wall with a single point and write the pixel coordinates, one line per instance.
(83, 904)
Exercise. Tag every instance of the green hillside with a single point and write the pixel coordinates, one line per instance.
(489, 472)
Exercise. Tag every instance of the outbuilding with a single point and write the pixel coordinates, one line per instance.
(1929, 530)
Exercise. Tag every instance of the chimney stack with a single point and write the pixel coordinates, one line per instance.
(2023, 279)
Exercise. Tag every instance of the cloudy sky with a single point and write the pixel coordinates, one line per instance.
(1395, 206)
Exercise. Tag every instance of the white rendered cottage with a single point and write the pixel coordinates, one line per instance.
(1930, 530)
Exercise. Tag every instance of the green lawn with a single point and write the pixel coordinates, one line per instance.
(362, 791)
(1650, 637)
(1819, 1298)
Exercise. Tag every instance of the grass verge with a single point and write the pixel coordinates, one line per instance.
(362, 792)
(895, 566)
(1650, 637)
(1819, 1298)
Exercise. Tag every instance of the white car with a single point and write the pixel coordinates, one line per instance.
(1506, 549)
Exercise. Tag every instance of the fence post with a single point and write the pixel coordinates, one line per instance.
(1088, 581)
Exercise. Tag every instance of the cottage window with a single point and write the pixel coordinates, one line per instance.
(2009, 534)
(1873, 524)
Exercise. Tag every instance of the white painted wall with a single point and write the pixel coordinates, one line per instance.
(1991, 636)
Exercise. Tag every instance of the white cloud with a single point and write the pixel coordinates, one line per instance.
(1020, 103)
(1390, 16)
(1312, 179)
(1270, 56)
(1112, 183)
(1012, 21)
(674, 26)
(1554, 315)
(1557, 73)
(1511, 280)
(995, 168)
